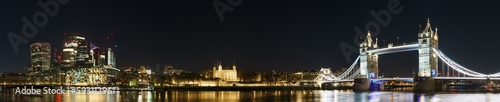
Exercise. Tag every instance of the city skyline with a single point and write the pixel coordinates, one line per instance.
(255, 37)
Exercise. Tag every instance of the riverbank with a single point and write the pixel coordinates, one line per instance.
(245, 88)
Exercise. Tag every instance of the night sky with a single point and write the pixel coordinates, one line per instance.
(259, 35)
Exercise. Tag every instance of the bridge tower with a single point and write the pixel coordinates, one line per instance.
(369, 61)
(368, 64)
(428, 60)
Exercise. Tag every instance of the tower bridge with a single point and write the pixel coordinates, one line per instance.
(364, 71)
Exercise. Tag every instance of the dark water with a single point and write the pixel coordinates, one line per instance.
(257, 96)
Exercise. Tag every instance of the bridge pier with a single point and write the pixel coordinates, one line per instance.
(361, 84)
(439, 85)
(424, 84)
(326, 86)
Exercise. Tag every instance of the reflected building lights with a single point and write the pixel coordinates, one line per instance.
(335, 96)
(422, 98)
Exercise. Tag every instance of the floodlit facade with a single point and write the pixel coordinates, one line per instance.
(85, 64)
(75, 50)
(40, 61)
(226, 74)
(110, 58)
(40, 56)
(428, 61)
(88, 76)
(368, 61)
(170, 70)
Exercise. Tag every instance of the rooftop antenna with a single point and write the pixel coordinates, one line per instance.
(107, 41)
(64, 38)
(114, 45)
(55, 54)
(397, 40)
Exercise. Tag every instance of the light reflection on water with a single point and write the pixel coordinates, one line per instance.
(257, 96)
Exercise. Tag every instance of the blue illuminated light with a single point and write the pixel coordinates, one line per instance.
(433, 71)
(371, 75)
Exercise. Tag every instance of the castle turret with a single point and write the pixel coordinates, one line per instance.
(234, 65)
(219, 65)
(214, 67)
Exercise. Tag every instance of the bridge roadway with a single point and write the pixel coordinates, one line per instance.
(395, 49)
(411, 79)
(437, 82)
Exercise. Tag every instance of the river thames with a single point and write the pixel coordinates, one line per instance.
(258, 96)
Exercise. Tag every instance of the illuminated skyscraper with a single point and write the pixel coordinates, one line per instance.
(85, 64)
(111, 58)
(94, 55)
(40, 56)
(75, 52)
(82, 53)
(40, 61)
(69, 51)
(102, 59)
